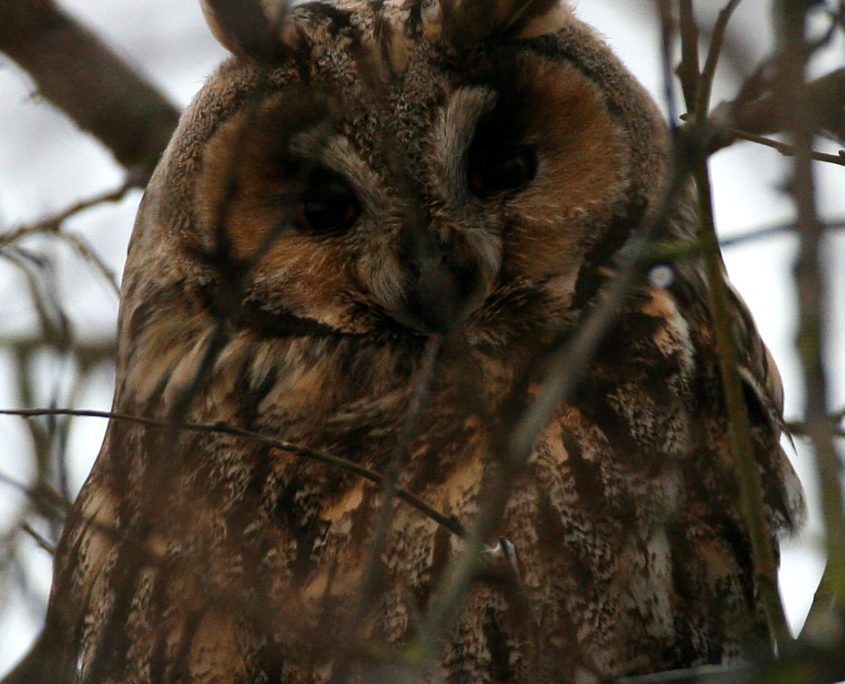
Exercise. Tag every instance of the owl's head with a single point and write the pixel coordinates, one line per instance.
(408, 166)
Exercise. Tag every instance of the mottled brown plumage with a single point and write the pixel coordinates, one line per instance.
(360, 176)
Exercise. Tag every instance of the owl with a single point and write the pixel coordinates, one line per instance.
(346, 292)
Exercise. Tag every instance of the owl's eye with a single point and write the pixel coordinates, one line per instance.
(327, 206)
(504, 169)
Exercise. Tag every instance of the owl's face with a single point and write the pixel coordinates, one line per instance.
(385, 169)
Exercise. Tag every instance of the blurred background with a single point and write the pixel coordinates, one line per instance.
(49, 284)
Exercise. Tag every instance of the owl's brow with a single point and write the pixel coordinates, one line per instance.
(319, 146)
(450, 523)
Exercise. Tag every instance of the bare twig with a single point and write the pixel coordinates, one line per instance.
(770, 231)
(410, 428)
(786, 149)
(664, 9)
(40, 278)
(53, 224)
(810, 278)
(708, 74)
(39, 539)
(738, 424)
(799, 428)
(52, 502)
(90, 255)
(688, 69)
(390, 490)
(87, 353)
(448, 522)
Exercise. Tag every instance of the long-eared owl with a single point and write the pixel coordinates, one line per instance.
(371, 234)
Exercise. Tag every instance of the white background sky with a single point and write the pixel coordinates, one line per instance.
(46, 165)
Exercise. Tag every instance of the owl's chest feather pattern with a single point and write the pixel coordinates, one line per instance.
(612, 520)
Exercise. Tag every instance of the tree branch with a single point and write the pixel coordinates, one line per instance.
(77, 73)
(825, 104)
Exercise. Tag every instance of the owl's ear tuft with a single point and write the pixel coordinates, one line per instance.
(246, 27)
(464, 23)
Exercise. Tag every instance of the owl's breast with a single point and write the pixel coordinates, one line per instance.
(617, 538)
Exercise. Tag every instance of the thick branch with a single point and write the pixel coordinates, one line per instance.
(825, 103)
(81, 76)
(751, 119)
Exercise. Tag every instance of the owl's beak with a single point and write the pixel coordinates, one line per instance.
(444, 285)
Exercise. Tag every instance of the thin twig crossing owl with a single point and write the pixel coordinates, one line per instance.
(371, 232)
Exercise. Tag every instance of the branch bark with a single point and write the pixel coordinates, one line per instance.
(825, 99)
(86, 80)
